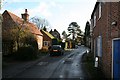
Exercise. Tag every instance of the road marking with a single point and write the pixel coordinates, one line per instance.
(68, 61)
(61, 76)
(42, 63)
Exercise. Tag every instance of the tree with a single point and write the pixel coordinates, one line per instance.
(44, 28)
(18, 35)
(87, 33)
(41, 23)
(74, 29)
(65, 35)
(87, 29)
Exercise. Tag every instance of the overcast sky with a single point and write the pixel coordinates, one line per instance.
(59, 13)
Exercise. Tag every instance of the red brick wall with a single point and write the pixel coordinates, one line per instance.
(110, 13)
(7, 21)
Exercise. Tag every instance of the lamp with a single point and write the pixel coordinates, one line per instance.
(114, 23)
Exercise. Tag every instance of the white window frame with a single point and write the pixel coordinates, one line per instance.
(94, 20)
(100, 10)
(99, 46)
(91, 26)
(46, 43)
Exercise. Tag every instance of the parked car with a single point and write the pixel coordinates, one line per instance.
(56, 50)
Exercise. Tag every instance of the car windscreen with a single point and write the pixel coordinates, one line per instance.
(56, 47)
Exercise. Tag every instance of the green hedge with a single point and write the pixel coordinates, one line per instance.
(26, 53)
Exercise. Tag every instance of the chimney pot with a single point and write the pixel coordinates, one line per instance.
(25, 16)
(26, 11)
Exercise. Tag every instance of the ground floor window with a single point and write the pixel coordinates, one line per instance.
(99, 46)
(46, 43)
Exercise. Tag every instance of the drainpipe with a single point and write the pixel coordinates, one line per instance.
(119, 18)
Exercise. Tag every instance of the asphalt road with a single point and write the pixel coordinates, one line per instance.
(67, 66)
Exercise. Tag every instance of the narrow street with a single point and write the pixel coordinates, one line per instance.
(67, 66)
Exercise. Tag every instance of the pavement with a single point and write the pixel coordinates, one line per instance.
(15, 68)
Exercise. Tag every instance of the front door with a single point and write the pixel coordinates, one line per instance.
(116, 59)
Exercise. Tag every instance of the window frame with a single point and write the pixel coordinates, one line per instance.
(99, 11)
(46, 43)
(94, 19)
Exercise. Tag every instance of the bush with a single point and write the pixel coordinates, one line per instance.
(26, 53)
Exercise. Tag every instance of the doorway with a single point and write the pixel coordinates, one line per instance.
(116, 59)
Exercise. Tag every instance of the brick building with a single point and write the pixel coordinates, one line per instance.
(10, 21)
(105, 32)
(55, 33)
(47, 39)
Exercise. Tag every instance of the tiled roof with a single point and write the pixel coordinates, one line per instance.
(15, 18)
(33, 28)
(47, 33)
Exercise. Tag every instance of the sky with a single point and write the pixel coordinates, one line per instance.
(59, 13)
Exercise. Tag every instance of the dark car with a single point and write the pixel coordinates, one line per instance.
(56, 50)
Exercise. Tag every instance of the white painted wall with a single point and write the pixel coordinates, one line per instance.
(40, 41)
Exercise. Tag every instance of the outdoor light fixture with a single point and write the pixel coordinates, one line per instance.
(87, 51)
(96, 59)
(114, 23)
(96, 62)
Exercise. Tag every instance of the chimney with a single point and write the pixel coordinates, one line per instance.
(25, 16)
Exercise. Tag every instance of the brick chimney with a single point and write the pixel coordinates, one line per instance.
(25, 16)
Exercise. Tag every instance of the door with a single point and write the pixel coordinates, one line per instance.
(116, 59)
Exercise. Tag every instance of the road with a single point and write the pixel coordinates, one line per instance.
(67, 66)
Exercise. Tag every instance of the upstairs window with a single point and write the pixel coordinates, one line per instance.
(94, 20)
(99, 10)
(91, 27)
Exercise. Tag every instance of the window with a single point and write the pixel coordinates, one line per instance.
(95, 48)
(46, 43)
(99, 46)
(94, 20)
(91, 27)
(99, 10)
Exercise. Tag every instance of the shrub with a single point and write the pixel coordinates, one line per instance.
(26, 53)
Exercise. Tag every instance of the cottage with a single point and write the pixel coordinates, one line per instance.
(11, 20)
(105, 32)
(47, 39)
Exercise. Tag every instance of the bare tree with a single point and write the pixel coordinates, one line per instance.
(39, 22)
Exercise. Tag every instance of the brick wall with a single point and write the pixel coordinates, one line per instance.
(46, 38)
(110, 13)
(6, 42)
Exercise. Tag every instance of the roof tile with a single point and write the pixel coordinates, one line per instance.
(33, 28)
